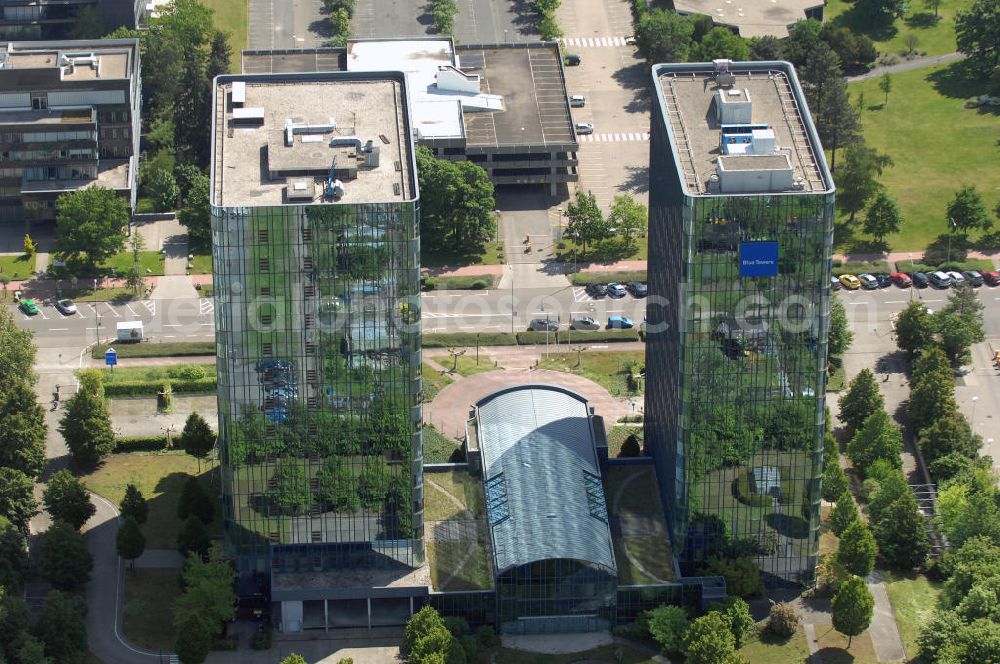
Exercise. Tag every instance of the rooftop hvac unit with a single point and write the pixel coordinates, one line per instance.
(239, 93)
(300, 189)
(248, 115)
(371, 154)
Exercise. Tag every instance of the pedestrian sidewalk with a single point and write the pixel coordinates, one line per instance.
(465, 270)
(903, 257)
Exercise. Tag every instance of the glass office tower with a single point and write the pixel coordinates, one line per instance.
(740, 238)
(316, 271)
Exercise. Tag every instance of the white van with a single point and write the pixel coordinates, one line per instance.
(577, 101)
(130, 331)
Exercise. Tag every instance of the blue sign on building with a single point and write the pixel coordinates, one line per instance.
(759, 259)
(110, 357)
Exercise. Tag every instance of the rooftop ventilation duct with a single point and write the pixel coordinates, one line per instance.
(723, 74)
(371, 154)
(292, 128)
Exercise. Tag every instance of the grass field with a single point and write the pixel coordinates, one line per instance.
(121, 294)
(147, 618)
(937, 146)
(18, 267)
(171, 349)
(768, 649)
(467, 363)
(434, 381)
(617, 437)
(935, 37)
(492, 254)
(160, 477)
(606, 369)
(202, 264)
(127, 374)
(438, 448)
(462, 564)
(231, 16)
(914, 598)
(606, 251)
(461, 486)
(148, 260)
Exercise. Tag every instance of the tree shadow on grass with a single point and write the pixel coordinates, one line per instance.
(957, 80)
(637, 180)
(922, 20)
(833, 656)
(947, 248)
(879, 29)
(988, 242)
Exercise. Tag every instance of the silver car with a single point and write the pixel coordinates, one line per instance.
(584, 323)
(543, 325)
(66, 307)
(585, 128)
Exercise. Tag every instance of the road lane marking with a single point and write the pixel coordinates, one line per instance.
(151, 305)
(171, 325)
(206, 305)
(116, 314)
(129, 307)
(896, 302)
(58, 329)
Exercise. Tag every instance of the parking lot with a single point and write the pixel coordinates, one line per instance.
(478, 21)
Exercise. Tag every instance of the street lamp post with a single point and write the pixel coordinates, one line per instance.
(513, 311)
(974, 400)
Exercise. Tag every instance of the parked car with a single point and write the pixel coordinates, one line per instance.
(991, 278)
(543, 325)
(901, 279)
(66, 307)
(577, 101)
(974, 278)
(920, 280)
(616, 290)
(572, 59)
(850, 282)
(637, 288)
(835, 283)
(585, 128)
(630, 40)
(29, 307)
(597, 290)
(584, 323)
(883, 279)
(956, 277)
(619, 322)
(939, 279)
(868, 281)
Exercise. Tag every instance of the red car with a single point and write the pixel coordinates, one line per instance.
(901, 279)
(991, 278)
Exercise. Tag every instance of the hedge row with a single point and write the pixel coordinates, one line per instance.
(140, 443)
(978, 264)
(588, 278)
(449, 339)
(477, 282)
(141, 388)
(562, 337)
(839, 267)
(169, 349)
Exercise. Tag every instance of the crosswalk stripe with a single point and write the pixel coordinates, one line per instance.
(613, 138)
(150, 305)
(595, 42)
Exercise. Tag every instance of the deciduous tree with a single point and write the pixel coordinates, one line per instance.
(668, 625)
(14, 562)
(456, 201)
(852, 607)
(193, 538)
(158, 182)
(720, 42)
(197, 438)
(960, 324)
(91, 224)
(195, 214)
(878, 438)
(977, 34)
(64, 559)
(709, 640)
(857, 177)
(664, 36)
(134, 504)
(901, 533)
(860, 401)
(883, 217)
(586, 223)
(857, 549)
(86, 426)
(62, 629)
(967, 212)
(949, 435)
(628, 217)
(17, 352)
(22, 428)
(914, 328)
(17, 503)
(844, 513)
(834, 481)
(66, 499)
(840, 336)
(129, 540)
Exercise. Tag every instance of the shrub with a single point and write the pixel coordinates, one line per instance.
(563, 337)
(168, 349)
(783, 620)
(136, 388)
(668, 625)
(588, 278)
(869, 488)
(742, 575)
(140, 444)
(460, 339)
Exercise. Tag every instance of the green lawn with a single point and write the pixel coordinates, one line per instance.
(935, 37)
(618, 435)
(154, 349)
(231, 16)
(491, 254)
(18, 267)
(439, 448)
(118, 294)
(769, 649)
(160, 477)
(606, 369)
(914, 598)
(202, 264)
(606, 251)
(147, 618)
(460, 485)
(937, 146)
(467, 363)
(151, 262)
(466, 560)
(434, 381)
(154, 373)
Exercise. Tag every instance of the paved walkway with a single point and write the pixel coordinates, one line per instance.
(884, 631)
(908, 65)
(450, 409)
(159, 559)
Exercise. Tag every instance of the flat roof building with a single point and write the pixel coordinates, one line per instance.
(740, 242)
(469, 102)
(315, 234)
(53, 19)
(754, 18)
(69, 119)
